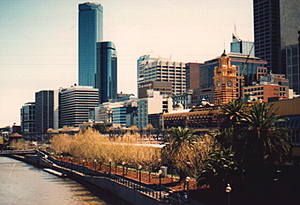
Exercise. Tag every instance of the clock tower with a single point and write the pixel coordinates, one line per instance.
(226, 81)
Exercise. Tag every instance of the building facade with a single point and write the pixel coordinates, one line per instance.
(46, 110)
(165, 88)
(28, 117)
(75, 104)
(159, 69)
(250, 68)
(154, 103)
(242, 47)
(106, 76)
(276, 24)
(192, 75)
(90, 32)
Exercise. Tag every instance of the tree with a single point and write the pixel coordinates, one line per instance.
(253, 133)
(176, 143)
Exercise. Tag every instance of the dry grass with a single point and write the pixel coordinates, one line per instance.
(90, 144)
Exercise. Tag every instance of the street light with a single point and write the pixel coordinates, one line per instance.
(228, 189)
(109, 166)
(123, 164)
(95, 164)
(160, 173)
(140, 172)
(187, 181)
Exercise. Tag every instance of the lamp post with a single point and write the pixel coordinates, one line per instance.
(187, 181)
(228, 189)
(109, 166)
(160, 173)
(123, 164)
(95, 164)
(140, 172)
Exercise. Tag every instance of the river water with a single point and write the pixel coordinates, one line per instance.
(23, 184)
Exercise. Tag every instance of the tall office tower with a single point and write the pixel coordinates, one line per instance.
(90, 32)
(276, 23)
(192, 75)
(106, 76)
(267, 32)
(159, 69)
(75, 104)
(27, 117)
(46, 110)
(242, 47)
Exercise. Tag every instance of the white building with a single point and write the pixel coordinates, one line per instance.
(159, 69)
(75, 104)
(153, 104)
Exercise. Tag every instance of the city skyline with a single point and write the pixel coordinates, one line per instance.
(39, 40)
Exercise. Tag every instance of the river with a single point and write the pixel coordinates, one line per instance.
(23, 184)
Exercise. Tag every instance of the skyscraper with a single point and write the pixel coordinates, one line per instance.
(46, 110)
(27, 117)
(90, 32)
(106, 76)
(276, 24)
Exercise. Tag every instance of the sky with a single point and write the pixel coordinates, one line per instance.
(39, 40)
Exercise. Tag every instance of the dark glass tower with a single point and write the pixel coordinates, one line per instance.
(44, 110)
(267, 32)
(106, 77)
(90, 32)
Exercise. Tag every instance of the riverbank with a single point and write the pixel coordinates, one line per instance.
(129, 190)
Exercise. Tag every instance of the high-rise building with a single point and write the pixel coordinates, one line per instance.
(276, 23)
(159, 69)
(75, 104)
(242, 47)
(89, 33)
(192, 75)
(27, 117)
(106, 76)
(46, 110)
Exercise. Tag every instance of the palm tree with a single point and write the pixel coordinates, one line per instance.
(174, 143)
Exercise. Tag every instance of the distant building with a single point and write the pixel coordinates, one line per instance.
(250, 68)
(119, 112)
(242, 47)
(154, 103)
(165, 88)
(75, 104)
(185, 99)
(106, 76)
(159, 69)
(193, 75)
(46, 110)
(27, 118)
(90, 31)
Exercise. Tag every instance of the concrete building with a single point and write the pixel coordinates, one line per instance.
(159, 69)
(75, 104)
(28, 117)
(154, 103)
(46, 110)
(90, 31)
(107, 71)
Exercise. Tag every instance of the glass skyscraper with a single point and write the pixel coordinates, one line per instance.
(90, 32)
(243, 47)
(106, 76)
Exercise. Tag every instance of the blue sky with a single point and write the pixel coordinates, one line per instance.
(38, 40)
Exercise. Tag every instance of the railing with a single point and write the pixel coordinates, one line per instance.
(160, 193)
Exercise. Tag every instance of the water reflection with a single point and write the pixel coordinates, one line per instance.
(27, 185)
